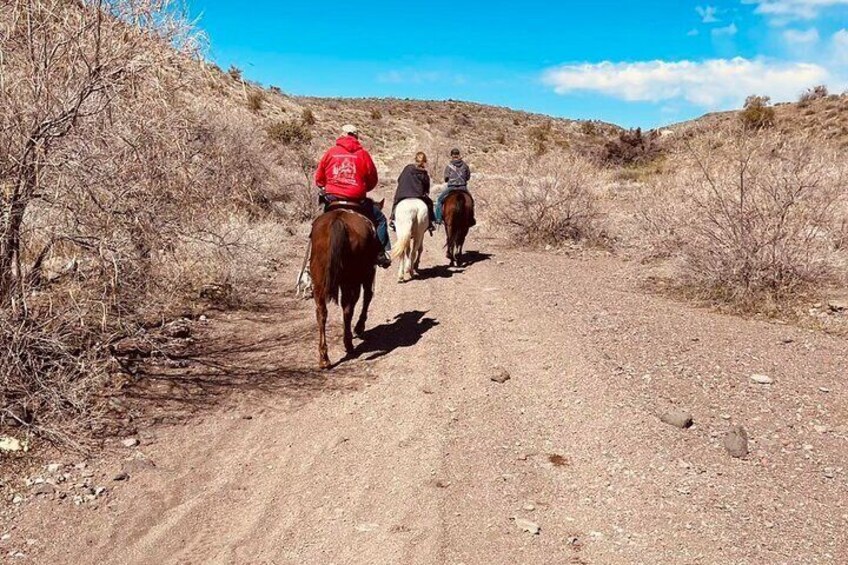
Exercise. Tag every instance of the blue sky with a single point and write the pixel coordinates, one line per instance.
(634, 63)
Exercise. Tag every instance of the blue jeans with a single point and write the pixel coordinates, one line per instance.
(382, 226)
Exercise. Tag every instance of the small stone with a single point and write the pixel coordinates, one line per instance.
(762, 379)
(736, 442)
(501, 376)
(179, 329)
(821, 429)
(122, 476)
(17, 499)
(99, 491)
(677, 418)
(829, 473)
(824, 389)
(130, 442)
(528, 526)
(43, 489)
(529, 507)
(54, 468)
(837, 305)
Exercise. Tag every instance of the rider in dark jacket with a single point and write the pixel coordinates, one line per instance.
(457, 175)
(414, 182)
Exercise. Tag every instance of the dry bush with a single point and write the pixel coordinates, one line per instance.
(554, 201)
(308, 117)
(234, 72)
(376, 114)
(124, 192)
(539, 136)
(816, 93)
(255, 99)
(290, 132)
(757, 113)
(631, 147)
(750, 219)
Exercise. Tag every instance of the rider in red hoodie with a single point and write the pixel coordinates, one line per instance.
(347, 172)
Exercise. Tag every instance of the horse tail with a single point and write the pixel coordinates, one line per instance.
(338, 248)
(402, 245)
(457, 215)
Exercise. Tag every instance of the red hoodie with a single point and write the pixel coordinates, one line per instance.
(346, 170)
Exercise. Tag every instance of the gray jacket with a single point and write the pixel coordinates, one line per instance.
(457, 174)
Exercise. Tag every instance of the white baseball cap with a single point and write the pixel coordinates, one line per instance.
(350, 129)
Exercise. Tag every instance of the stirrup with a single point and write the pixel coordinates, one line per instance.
(383, 260)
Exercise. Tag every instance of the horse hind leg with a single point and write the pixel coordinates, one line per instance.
(367, 295)
(350, 296)
(321, 316)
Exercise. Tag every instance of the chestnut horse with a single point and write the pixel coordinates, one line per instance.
(343, 262)
(458, 213)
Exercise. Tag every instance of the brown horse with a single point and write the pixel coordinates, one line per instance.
(343, 262)
(458, 212)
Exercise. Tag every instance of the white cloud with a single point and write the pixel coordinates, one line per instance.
(788, 10)
(708, 14)
(710, 84)
(726, 31)
(840, 46)
(795, 37)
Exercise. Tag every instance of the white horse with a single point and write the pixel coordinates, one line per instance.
(411, 221)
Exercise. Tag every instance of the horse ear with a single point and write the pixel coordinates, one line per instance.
(381, 203)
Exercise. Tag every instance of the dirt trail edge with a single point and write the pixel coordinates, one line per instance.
(413, 454)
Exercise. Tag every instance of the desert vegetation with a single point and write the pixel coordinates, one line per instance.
(751, 219)
(141, 184)
(125, 198)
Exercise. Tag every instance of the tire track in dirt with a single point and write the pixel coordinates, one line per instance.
(412, 454)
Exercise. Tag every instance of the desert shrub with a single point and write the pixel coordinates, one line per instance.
(500, 138)
(255, 99)
(539, 136)
(235, 73)
(750, 219)
(554, 202)
(816, 93)
(275, 89)
(757, 113)
(117, 173)
(308, 117)
(376, 114)
(588, 128)
(631, 147)
(290, 132)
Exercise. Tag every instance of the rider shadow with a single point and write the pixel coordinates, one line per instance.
(405, 330)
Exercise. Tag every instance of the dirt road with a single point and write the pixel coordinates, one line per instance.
(413, 454)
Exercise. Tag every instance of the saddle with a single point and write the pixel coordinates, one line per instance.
(363, 208)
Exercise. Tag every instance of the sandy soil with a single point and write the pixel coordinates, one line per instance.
(411, 453)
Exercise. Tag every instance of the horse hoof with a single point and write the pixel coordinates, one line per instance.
(359, 330)
(325, 364)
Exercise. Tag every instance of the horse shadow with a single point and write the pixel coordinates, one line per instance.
(405, 330)
(469, 258)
